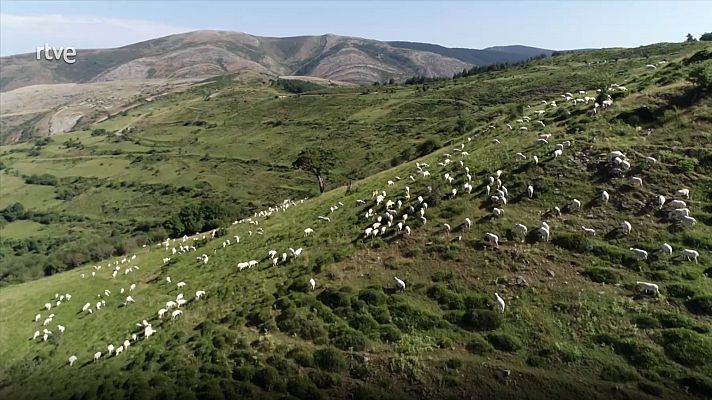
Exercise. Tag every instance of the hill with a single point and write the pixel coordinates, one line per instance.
(488, 56)
(575, 322)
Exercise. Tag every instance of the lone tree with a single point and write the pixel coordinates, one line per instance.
(690, 38)
(317, 161)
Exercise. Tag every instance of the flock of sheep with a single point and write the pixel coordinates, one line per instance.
(398, 214)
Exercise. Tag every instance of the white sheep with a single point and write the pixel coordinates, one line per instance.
(639, 253)
(683, 193)
(530, 191)
(648, 288)
(636, 181)
(687, 220)
(199, 294)
(176, 313)
(661, 202)
(400, 284)
(589, 231)
(110, 348)
(148, 331)
(521, 230)
(97, 356)
(119, 350)
(312, 283)
(497, 212)
(492, 238)
(605, 196)
(308, 231)
(180, 285)
(575, 205)
(626, 227)
(690, 254)
(468, 223)
(500, 302)
(162, 312)
(72, 360)
(666, 248)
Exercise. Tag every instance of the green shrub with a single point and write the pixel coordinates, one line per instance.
(390, 333)
(602, 275)
(373, 297)
(323, 379)
(687, 347)
(618, 373)
(568, 352)
(478, 345)
(572, 242)
(329, 359)
(346, 338)
(243, 373)
(380, 314)
(481, 320)
(408, 318)
(701, 305)
(453, 363)
(504, 342)
(447, 299)
(335, 298)
(268, 379)
(645, 321)
(681, 291)
(303, 388)
(301, 356)
(480, 302)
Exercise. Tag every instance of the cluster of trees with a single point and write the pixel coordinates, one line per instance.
(295, 86)
(199, 218)
(44, 179)
(705, 37)
(477, 69)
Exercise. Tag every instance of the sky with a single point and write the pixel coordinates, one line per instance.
(558, 25)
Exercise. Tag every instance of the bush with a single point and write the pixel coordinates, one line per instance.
(645, 321)
(701, 305)
(268, 379)
(301, 356)
(390, 333)
(577, 243)
(408, 319)
(618, 373)
(348, 339)
(329, 359)
(334, 298)
(324, 380)
(453, 363)
(303, 388)
(477, 345)
(373, 297)
(446, 298)
(244, 373)
(504, 342)
(701, 75)
(602, 275)
(686, 347)
(481, 320)
(697, 384)
(681, 291)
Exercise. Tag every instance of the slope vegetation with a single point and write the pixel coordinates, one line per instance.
(575, 324)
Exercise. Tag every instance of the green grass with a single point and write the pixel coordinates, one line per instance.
(576, 333)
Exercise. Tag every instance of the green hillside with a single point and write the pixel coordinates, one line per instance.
(576, 324)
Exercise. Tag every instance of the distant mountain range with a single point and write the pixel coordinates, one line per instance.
(210, 53)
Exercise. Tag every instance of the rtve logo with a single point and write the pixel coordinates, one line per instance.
(49, 53)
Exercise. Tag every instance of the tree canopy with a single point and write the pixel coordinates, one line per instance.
(317, 161)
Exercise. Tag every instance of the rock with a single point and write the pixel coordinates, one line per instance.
(550, 273)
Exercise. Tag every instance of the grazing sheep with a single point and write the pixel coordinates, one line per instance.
(407, 230)
(666, 248)
(110, 348)
(180, 285)
(97, 355)
(687, 220)
(677, 204)
(683, 193)
(605, 196)
(648, 288)
(148, 331)
(162, 312)
(589, 231)
(544, 232)
(119, 350)
(400, 284)
(72, 360)
(468, 223)
(60, 328)
(129, 300)
(557, 153)
(312, 283)
(492, 238)
(636, 181)
(36, 335)
(575, 205)
(199, 294)
(520, 230)
(639, 253)
(626, 227)
(690, 254)
(308, 231)
(176, 313)
(661, 202)
(500, 302)
(530, 191)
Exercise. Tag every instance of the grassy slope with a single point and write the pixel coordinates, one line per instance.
(575, 334)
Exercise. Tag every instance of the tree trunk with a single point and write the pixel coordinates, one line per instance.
(322, 183)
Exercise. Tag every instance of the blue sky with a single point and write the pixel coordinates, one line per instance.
(475, 24)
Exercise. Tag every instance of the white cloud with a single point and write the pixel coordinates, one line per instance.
(23, 33)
